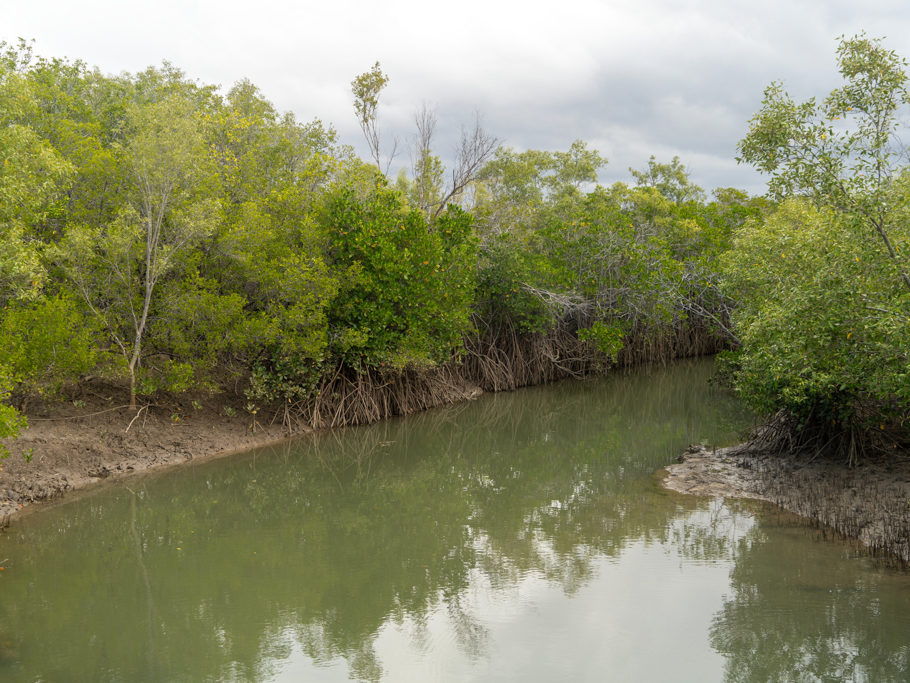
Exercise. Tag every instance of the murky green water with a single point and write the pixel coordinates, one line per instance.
(520, 537)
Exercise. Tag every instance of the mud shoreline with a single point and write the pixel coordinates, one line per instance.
(870, 502)
(78, 444)
(93, 435)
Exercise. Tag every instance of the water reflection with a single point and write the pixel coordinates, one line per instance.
(517, 537)
(801, 608)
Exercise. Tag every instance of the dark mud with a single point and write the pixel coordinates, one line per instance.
(869, 502)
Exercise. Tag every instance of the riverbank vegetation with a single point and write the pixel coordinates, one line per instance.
(166, 237)
(823, 285)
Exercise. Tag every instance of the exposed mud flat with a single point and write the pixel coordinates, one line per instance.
(75, 445)
(94, 436)
(870, 502)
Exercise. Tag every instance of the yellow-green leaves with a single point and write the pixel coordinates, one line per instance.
(850, 168)
(824, 332)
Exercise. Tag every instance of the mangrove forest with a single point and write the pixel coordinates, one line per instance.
(163, 236)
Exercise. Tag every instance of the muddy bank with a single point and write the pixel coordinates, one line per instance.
(870, 502)
(80, 443)
(93, 435)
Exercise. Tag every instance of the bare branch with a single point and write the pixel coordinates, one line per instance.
(425, 119)
(476, 148)
(391, 157)
(426, 168)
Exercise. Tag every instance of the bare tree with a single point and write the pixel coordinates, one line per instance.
(426, 120)
(475, 149)
(426, 168)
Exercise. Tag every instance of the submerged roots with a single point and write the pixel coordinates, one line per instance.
(496, 359)
(849, 442)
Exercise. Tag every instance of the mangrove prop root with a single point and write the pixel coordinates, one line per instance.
(496, 359)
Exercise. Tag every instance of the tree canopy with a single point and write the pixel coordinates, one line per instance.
(822, 284)
(171, 237)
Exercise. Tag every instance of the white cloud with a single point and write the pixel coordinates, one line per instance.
(635, 78)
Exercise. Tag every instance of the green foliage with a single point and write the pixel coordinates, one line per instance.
(117, 267)
(208, 238)
(841, 152)
(518, 190)
(283, 378)
(32, 178)
(824, 337)
(426, 190)
(825, 292)
(22, 273)
(671, 180)
(602, 253)
(406, 287)
(503, 297)
(46, 344)
(611, 259)
(12, 422)
(80, 114)
(168, 375)
(194, 322)
(366, 89)
(608, 339)
(268, 259)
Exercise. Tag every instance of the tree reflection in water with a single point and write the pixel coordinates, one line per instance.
(796, 613)
(327, 545)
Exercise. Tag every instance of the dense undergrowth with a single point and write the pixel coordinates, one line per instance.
(160, 232)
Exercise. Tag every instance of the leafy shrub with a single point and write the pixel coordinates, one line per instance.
(406, 284)
(502, 295)
(822, 317)
(47, 344)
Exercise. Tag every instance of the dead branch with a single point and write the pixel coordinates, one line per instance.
(476, 148)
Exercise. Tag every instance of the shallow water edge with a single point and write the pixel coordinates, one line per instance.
(869, 502)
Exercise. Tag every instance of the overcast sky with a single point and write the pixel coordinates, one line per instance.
(661, 77)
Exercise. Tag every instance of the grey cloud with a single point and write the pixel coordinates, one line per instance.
(659, 77)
